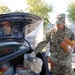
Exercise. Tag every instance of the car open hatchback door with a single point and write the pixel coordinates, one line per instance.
(12, 39)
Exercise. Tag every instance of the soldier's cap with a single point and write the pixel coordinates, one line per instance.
(60, 18)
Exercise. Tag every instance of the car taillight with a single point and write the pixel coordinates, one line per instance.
(6, 51)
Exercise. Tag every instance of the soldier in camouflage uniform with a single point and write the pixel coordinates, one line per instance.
(61, 61)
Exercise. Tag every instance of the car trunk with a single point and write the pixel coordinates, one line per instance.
(17, 61)
(20, 61)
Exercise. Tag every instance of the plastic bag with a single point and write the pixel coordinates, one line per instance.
(33, 63)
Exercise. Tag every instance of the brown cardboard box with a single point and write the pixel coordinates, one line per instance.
(66, 42)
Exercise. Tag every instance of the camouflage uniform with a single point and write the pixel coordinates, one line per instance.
(61, 61)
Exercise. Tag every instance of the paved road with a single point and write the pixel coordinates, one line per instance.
(73, 66)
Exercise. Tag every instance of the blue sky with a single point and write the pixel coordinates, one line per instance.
(59, 6)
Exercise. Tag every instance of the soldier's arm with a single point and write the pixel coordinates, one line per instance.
(72, 37)
(42, 44)
(70, 34)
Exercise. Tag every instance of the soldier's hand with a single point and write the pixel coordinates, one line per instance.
(32, 54)
(70, 49)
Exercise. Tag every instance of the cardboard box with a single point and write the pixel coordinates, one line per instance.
(66, 42)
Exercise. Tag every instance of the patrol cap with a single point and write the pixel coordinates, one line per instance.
(60, 18)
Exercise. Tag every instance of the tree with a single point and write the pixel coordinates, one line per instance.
(71, 12)
(4, 9)
(39, 8)
(18, 11)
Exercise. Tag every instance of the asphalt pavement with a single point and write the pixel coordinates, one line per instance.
(73, 64)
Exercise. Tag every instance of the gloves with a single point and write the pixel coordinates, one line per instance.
(70, 49)
(32, 54)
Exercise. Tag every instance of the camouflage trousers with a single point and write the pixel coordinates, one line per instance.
(61, 66)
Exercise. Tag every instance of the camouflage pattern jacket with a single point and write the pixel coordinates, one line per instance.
(55, 37)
